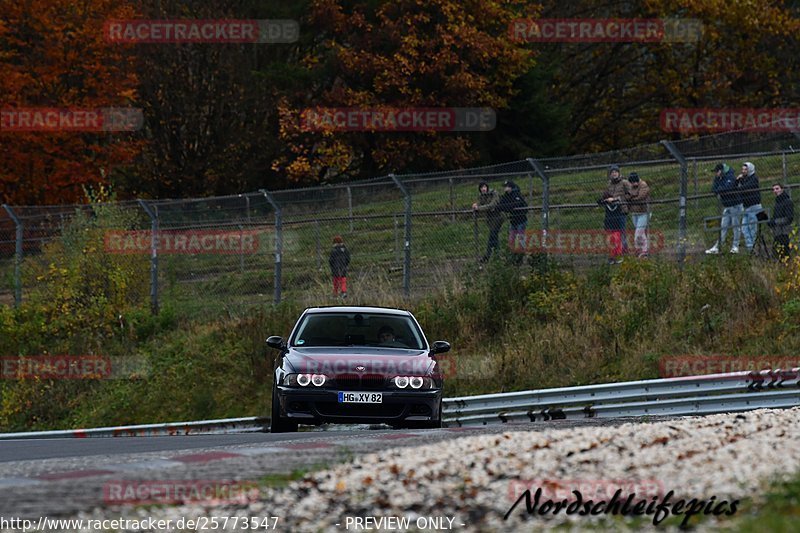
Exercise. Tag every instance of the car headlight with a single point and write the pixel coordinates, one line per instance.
(304, 380)
(414, 382)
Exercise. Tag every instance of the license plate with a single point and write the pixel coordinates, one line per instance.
(360, 397)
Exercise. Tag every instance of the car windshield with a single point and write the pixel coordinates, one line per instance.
(358, 329)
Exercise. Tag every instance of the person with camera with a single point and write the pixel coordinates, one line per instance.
(637, 197)
(488, 202)
(614, 224)
(781, 223)
(615, 194)
(747, 185)
(725, 187)
(513, 203)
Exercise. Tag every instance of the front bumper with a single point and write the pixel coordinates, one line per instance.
(320, 406)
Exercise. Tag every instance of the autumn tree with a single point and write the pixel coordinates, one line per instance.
(746, 57)
(53, 54)
(399, 54)
(211, 108)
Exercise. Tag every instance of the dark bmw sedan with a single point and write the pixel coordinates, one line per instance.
(357, 365)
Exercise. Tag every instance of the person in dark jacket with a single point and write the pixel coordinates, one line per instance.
(614, 224)
(615, 193)
(615, 205)
(781, 223)
(488, 203)
(725, 187)
(339, 260)
(747, 184)
(513, 203)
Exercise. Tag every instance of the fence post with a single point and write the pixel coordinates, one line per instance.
(319, 248)
(350, 207)
(153, 214)
(694, 179)
(17, 256)
(452, 201)
(682, 202)
(537, 167)
(407, 240)
(396, 239)
(785, 172)
(475, 235)
(278, 242)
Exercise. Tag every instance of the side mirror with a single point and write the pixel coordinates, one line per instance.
(275, 342)
(440, 347)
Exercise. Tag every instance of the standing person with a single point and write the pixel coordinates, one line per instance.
(637, 197)
(615, 193)
(731, 199)
(339, 260)
(747, 183)
(513, 203)
(781, 223)
(488, 202)
(614, 224)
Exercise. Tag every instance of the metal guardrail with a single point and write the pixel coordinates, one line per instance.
(694, 395)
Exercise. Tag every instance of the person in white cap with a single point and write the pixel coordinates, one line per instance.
(747, 183)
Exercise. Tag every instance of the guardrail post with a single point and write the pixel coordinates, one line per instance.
(537, 167)
(673, 150)
(407, 239)
(17, 255)
(153, 214)
(278, 242)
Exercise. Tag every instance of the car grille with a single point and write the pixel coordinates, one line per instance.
(360, 382)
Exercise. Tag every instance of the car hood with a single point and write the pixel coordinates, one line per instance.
(358, 359)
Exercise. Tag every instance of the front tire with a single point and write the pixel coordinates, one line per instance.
(277, 423)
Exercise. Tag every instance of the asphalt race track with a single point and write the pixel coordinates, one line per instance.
(60, 477)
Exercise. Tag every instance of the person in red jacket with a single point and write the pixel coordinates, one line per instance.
(339, 260)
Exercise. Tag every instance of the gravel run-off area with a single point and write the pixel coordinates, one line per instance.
(470, 483)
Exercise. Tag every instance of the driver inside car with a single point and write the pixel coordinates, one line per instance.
(386, 337)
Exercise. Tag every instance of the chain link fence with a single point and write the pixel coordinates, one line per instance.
(407, 234)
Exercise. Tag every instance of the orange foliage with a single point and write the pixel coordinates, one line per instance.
(53, 54)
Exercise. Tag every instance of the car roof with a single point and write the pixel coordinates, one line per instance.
(358, 309)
